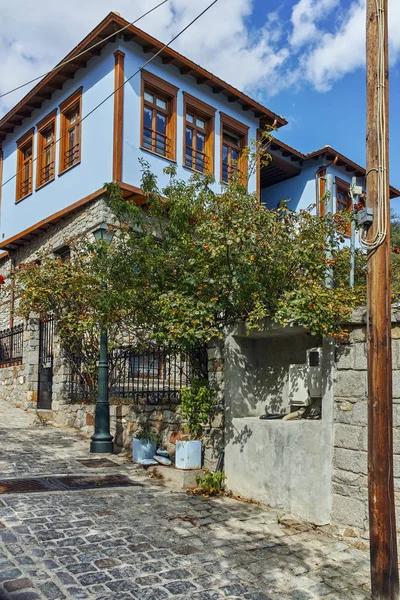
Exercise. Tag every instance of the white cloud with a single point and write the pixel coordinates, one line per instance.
(331, 55)
(322, 41)
(219, 41)
(305, 15)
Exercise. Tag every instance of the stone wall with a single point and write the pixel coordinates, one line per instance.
(162, 420)
(18, 383)
(350, 459)
(82, 221)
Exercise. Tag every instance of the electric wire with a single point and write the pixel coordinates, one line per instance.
(73, 58)
(121, 86)
(368, 242)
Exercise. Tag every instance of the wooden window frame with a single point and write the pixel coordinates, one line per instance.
(169, 92)
(343, 187)
(42, 145)
(239, 129)
(206, 113)
(65, 108)
(27, 138)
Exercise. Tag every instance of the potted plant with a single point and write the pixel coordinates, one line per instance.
(197, 402)
(144, 445)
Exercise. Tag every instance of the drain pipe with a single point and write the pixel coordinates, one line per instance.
(329, 212)
(354, 199)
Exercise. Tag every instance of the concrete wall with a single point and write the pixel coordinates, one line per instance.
(257, 371)
(287, 465)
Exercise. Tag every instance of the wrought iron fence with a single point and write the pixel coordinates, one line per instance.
(152, 376)
(11, 345)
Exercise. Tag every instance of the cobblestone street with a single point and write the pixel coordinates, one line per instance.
(149, 541)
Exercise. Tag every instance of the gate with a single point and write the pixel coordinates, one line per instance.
(46, 345)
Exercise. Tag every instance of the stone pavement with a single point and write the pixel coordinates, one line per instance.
(150, 542)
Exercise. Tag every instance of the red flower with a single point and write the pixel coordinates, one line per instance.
(1, 279)
(396, 249)
(358, 206)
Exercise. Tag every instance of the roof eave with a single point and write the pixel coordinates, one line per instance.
(54, 80)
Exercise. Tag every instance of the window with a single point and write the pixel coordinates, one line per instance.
(45, 170)
(70, 143)
(63, 253)
(158, 132)
(234, 137)
(198, 135)
(24, 165)
(343, 202)
(146, 365)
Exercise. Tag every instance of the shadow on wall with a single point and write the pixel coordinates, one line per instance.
(257, 378)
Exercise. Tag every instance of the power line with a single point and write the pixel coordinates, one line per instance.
(62, 64)
(124, 83)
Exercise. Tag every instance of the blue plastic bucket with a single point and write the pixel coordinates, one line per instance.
(142, 449)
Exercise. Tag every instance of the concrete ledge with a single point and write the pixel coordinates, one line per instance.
(178, 478)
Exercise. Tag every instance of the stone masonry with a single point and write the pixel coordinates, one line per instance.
(350, 470)
(162, 420)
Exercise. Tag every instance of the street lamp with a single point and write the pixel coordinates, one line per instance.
(102, 440)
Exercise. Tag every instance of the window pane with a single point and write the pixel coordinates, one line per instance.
(189, 118)
(200, 123)
(234, 154)
(225, 173)
(48, 135)
(47, 156)
(148, 117)
(225, 154)
(72, 118)
(188, 159)
(27, 152)
(71, 138)
(161, 145)
(161, 126)
(200, 142)
(232, 139)
(189, 137)
(147, 139)
(161, 103)
(148, 97)
(200, 165)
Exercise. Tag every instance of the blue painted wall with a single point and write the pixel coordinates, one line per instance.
(132, 152)
(95, 168)
(83, 179)
(300, 191)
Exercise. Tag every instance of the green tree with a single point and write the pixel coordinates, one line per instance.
(188, 265)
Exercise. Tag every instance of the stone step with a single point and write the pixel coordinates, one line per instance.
(182, 479)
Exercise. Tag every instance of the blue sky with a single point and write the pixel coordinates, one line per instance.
(304, 59)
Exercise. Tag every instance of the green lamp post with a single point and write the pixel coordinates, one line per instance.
(102, 440)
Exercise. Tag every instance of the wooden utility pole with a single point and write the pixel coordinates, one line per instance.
(382, 519)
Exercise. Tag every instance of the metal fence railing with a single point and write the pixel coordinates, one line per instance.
(11, 345)
(152, 376)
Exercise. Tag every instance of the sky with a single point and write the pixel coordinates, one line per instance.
(303, 59)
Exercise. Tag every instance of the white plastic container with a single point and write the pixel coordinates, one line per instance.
(142, 448)
(188, 454)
